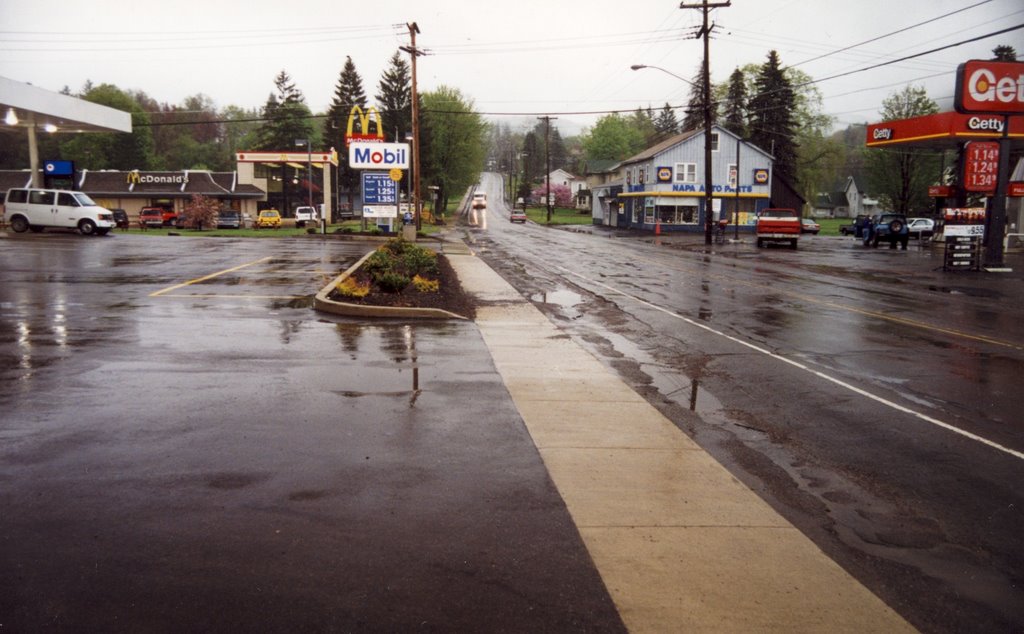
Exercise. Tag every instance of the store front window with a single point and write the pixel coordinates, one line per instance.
(677, 214)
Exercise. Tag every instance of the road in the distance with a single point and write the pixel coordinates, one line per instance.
(869, 398)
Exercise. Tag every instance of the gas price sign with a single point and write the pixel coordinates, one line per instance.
(981, 166)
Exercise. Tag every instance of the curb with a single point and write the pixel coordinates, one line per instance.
(325, 305)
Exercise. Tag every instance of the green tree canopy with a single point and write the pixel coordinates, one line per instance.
(348, 92)
(694, 119)
(113, 150)
(900, 176)
(394, 97)
(287, 117)
(453, 142)
(771, 117)
(613, 138)
(666, 124)
(735, 107)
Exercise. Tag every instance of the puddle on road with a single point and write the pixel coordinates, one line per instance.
(389, 360)
(671, 382)
(564, 299)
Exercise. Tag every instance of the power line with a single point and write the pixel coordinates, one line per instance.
(890, 34)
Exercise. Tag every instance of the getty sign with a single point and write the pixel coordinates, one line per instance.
(990, 87)
(378, 155)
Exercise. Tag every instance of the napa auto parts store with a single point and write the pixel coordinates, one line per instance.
(986, 128)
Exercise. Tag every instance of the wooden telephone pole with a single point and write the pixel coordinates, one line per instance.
(705, 32)
(547, 160)
(414, 53)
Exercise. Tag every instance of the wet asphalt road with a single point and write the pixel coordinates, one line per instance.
(215, 456)
(870, 398)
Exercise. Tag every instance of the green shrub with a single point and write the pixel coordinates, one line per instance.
(418, 261)
(392, 282)
(380, 262)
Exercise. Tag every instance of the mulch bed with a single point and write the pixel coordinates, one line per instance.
(449, 296)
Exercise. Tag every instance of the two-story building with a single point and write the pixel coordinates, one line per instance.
(664, 187)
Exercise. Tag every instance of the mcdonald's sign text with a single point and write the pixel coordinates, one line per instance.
(378, 155)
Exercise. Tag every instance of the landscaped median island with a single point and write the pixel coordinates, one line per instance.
(399, 279)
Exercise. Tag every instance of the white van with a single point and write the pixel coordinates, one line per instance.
(35, 209)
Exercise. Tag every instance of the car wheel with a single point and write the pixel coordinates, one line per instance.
(875, 242)
(896, 227)
(792, 244)
(102, 232)
(87, 227)
(760, 243)
(19, 224)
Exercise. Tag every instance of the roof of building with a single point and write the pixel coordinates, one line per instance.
(601, 166)
(122, 184)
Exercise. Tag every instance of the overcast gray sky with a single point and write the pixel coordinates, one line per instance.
(527, 56)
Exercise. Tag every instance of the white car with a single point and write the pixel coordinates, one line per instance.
(36, 209)
(921, 227)
(304, 215)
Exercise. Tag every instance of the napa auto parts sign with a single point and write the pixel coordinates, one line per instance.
(990, 87)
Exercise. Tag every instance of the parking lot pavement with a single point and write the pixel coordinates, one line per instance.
(220, 458)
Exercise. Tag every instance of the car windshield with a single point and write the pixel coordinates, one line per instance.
(268, 214)
(83, 199)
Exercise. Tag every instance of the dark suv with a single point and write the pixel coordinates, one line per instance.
(891, 228)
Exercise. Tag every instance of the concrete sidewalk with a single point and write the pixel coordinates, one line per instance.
(681, 545)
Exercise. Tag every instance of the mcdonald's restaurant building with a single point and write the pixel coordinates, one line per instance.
(133, 190)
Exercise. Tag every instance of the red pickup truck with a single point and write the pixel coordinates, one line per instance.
(778, 225)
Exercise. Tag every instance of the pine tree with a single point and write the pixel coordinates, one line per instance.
(286, 117)
(736, 104)
(348, 93)
(771, 117)
(394, 97)
(695, 108)
(666, 123)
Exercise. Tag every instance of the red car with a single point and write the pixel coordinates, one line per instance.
(167, 217)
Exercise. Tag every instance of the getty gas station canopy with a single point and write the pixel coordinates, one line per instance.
(945, 130)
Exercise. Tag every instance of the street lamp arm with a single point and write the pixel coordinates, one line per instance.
(639, 66)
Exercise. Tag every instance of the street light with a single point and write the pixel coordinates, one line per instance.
(309, 179)
(708, 197)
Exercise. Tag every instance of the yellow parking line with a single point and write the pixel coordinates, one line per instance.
(208, 277)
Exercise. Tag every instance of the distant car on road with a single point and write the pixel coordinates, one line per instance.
(269, 219)
(809, 226)
(517, 215)
(921, 227)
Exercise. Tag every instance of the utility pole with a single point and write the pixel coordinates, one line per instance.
(547, 161)
(705, 32)
(414, 53)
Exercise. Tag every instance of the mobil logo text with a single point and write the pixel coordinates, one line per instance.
(378, 155)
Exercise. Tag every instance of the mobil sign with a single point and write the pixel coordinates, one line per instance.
(362, 155)
(990, 87)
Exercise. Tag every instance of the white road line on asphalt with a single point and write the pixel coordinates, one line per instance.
(796, 364)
